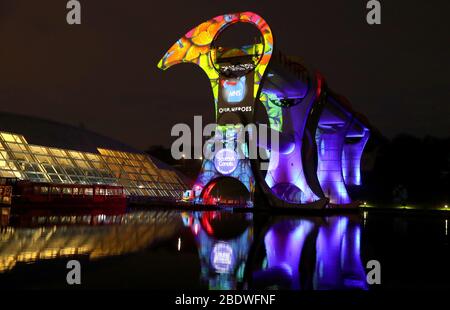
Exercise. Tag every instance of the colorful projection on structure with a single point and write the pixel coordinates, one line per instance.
(195, 47)
(234, 89)
(314, 163)
(226, 161)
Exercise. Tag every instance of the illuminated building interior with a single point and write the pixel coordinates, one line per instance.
(135, 171)
(321, 137)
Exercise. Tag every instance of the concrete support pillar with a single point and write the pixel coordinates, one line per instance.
(351, 160)
(330, 143)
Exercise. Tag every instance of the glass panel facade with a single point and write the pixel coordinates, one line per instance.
(135, 172)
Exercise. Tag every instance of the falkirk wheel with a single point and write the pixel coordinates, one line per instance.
(320, 137)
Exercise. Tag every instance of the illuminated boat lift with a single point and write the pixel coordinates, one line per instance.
(321, 137)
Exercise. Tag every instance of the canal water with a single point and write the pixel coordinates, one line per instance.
(225, 250)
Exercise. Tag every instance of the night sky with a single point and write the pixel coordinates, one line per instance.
(102, 74)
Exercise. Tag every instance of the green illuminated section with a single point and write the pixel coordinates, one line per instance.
(273, 108)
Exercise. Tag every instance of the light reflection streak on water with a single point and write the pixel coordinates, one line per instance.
(112, 235)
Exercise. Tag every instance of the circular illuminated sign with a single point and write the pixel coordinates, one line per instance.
(222, 258)
(234, 90)
(226, 161)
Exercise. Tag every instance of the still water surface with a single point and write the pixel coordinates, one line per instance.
(224, 250)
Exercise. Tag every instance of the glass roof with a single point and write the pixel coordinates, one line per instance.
(135, 172)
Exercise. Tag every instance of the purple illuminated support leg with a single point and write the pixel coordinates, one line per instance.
(288, 166)
(351, 160)
(330, 143)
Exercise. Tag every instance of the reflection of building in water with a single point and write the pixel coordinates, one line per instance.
(4, 216)
(338, 262)
(284, 245)
(114, 235)
(302, 254)
(223, 242)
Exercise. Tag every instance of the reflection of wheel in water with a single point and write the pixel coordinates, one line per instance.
(225, 226)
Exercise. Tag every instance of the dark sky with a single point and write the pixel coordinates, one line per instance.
(103, 73)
